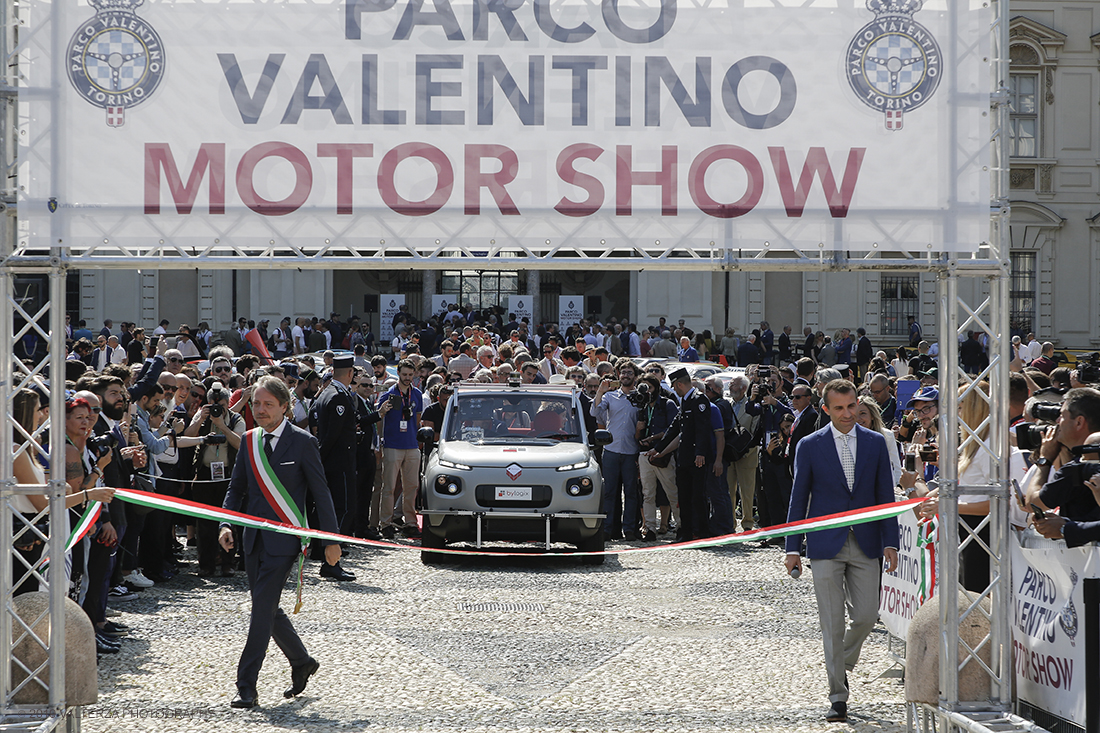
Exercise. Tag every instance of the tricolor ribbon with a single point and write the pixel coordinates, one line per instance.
(80, 531)
(217, 514)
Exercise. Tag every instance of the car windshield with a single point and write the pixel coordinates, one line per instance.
(512, 417)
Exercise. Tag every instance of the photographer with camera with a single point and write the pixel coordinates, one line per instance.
(655, 413)
(921, 423)
(220, 432)
(1082, 529)
(1061, 476)
(768, 402)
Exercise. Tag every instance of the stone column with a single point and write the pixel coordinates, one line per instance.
(428, 284)
(534, 284)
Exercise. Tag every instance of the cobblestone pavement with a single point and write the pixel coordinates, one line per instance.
(683, 640)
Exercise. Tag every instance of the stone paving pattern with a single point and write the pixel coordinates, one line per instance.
(682, 640)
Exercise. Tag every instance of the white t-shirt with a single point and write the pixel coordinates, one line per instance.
(188, 349)
(978, 473)
(298, 337)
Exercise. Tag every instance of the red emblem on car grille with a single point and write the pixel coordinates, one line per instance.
(513, 471)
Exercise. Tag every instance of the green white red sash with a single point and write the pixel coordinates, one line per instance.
(282, 503)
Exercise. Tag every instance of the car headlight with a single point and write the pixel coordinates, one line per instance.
(571, 466)
(579, 486)
(447, 485)
(452, 464)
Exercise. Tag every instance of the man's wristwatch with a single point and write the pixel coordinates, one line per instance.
(1043, 461)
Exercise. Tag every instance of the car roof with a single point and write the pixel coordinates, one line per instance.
(489, 388)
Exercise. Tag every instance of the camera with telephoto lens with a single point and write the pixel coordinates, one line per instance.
(1088, 370)
(216, 394)
(213, 439)
(101, 445)
(1043, 412)
(640, 396)
(1029, 436)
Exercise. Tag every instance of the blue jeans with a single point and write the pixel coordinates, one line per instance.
(721, 506)
(620, 473)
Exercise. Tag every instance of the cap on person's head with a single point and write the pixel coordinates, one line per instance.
(679, 375)
(924, 394)
(933, 373)
(290, 369)
(265, 320)
(557, 379)
(344, 361)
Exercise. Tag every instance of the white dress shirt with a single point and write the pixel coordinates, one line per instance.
(275, 435)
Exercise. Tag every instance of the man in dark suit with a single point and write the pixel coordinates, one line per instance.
(785, 345)
(864, 353)
(294, 459)
(332, 418)
(805, 417)
(690, 432)
(808, 344)
(837, 469)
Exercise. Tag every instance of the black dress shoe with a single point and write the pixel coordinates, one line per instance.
(299, 676)
(103, 646)
(115, 628)
(838, 713)
(246, 698)
(388, 533)
(335, 572)
(371, 534)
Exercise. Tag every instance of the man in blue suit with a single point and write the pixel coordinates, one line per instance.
(839, 468)
(292, 456)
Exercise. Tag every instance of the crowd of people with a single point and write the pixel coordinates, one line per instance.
(168, 412)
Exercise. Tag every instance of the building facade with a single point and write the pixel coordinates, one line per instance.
(1055, 255)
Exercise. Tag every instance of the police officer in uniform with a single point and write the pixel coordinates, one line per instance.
(333, 419)
(691, 433)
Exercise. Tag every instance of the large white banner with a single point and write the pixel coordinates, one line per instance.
(1048, 624)
(523, 306)
(504, 125)
(570, 311)
(913, 583)
(388, 306)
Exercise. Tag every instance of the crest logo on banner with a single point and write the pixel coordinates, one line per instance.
(115, 59)
(1067, 619)
(894, 64)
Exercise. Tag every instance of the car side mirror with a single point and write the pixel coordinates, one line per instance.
(425, 435)
(602, 437)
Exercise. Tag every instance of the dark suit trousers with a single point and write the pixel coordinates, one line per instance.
(364, 490)
(691, 485)
(267, 576)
